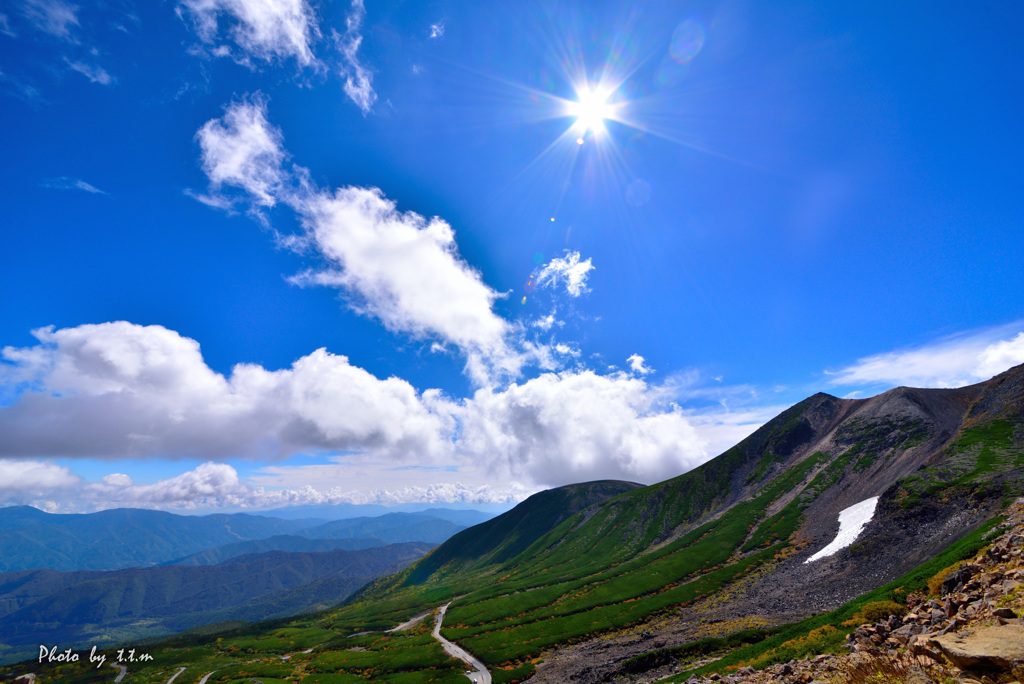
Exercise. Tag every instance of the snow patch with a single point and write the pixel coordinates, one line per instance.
(851, 522)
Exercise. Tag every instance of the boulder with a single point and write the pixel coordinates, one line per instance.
(999, 647)
(956, 580)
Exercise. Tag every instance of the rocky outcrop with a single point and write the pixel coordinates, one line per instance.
(970, 633)
(996, 648)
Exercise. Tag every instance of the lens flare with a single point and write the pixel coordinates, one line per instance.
(687, 41)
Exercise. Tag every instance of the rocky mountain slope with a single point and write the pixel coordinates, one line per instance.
(969, 631)
(587, 583)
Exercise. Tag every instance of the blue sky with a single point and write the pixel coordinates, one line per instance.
(257, 254)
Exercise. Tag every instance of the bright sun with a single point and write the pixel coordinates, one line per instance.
(590, 110)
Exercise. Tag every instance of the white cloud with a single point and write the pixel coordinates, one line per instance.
(243, 150)
(721, 428)
(67, 183)
(209, 483)
(30, 476)
(569, 269)
(217, 485)
(358, 79)
(579, 426)
(119, 389)
(94, 73)
(636, 364)
(397, 266)
(122, 390)
(949, 362)
(262, 29)
(437, 30)
(55, 17)
(547, 322)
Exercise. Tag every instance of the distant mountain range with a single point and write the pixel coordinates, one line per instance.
(280, 542)
(98, 607)
(126, 537)
(130, 574)
(602, 581)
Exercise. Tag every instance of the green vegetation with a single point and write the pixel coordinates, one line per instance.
(585, 560)
(826, 633)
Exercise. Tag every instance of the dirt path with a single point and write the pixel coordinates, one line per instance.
(406, 625)
(175, 676)
(482, 674)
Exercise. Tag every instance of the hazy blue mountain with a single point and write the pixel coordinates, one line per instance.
(123, 537)
(343, 511)
(279, 542)
(47, 606)
(391, 528)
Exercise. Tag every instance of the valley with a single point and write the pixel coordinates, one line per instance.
(611, 581)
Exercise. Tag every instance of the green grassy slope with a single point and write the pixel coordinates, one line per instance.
(591, 559)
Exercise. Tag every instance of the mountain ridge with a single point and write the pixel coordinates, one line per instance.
(576, 581)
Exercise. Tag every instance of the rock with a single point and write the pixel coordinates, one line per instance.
(1004, 613)
(917, 676)
(999, 647)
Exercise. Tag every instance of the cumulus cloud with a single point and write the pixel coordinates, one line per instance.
(242, 150)
(66, 183)
(399, 267)
(31, 476)
(119, 390)
(569, 270)
(261, 29)
(358, 79)
(216, 485)
(579, 426)
(124, 390)
(636, 364)
(950, 362)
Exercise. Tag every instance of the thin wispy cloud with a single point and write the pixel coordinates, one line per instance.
(952, 361)
(55, 17)
(437, 30)
(5, 26)
(264, 30)
(358, 79)
(69, 183)
(569, 270)
(18, 87)
(93, 72)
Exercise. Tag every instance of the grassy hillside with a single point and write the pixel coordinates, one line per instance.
(715, 552)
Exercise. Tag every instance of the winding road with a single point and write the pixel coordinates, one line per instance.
(482, 674)
(175, 676)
